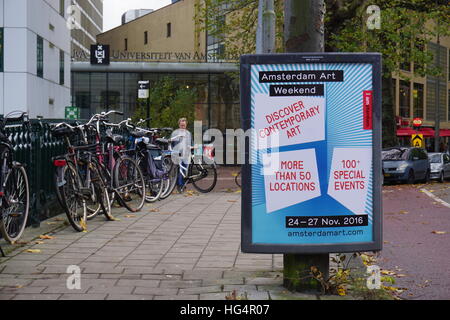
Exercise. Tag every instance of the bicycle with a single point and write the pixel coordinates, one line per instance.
(79, 185)
(151, 160)
(14, 186)
(203, 176)
(121, 173)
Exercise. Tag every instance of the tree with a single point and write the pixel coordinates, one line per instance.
(169, 102)
(406, 27)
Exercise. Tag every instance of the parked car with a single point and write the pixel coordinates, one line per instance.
(440, 166)
(405, 164)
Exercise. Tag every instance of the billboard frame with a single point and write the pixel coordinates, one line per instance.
(375, 59)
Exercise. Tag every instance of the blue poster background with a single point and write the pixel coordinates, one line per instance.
(344, 129)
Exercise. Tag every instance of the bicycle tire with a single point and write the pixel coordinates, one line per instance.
(101, 191)
(204, 170)
(129, 184)
(153, 189)
(237, 179)
(75, 205)
(171, 180)
(12, 223)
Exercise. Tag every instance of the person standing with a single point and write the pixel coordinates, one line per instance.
(181, 145)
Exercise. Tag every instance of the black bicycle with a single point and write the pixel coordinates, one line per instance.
(14, 186)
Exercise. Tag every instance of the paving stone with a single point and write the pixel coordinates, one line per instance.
(85, 296)
(111, 289)
(214, 296)
(140, 283)
(155, 291)
(202, 275)
(122, 297)
(181, 297)
(180, 283)
(39, 296)
(200, 290)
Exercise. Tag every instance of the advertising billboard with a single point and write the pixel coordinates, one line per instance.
(312, 183)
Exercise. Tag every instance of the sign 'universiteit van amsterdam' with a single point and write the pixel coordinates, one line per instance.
(314, 178)
(101, 55)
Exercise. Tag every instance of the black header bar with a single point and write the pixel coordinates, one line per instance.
(301, 76)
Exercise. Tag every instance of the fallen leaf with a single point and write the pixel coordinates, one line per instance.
(39, 242)
(232, 200)
(51, 223)
(33, 251)
(403, 212)
(130, 216)
(439, 232)
(83, 225)
(20, 242)
(154, 210)
(46, 237)
(59, 219)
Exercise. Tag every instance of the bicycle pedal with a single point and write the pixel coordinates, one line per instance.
(15, 215)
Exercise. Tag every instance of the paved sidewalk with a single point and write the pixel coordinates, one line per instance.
(185, 247)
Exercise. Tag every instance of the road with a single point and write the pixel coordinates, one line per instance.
(416, 229)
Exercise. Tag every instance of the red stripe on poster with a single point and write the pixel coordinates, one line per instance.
(367, 111)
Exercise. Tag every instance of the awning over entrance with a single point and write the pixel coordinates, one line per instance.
(427, 132)
(404, 132)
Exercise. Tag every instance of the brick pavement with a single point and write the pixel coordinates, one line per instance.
(185, 247)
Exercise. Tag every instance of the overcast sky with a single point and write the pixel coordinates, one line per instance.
(113, 9)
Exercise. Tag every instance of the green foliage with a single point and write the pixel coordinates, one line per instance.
(169, 101)
(234, 22)
(406, 27)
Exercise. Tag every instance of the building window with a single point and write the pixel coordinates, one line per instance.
(405, 98)
(448, 115)
(62, 9)
(418, 100)
(146, 37)
(169, 30)
(61, 67)
(40, 57)
(126, 44)
(1, 49)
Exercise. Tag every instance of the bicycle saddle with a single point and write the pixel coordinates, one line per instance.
(137, 134)
(62, 131)
(114, 138)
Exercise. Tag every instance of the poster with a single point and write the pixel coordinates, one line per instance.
(315, 154)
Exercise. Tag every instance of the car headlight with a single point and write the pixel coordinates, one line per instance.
(402, 167)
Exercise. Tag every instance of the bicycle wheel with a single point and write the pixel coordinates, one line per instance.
(101, 192)
(129, 184)
(153, 187)
(171, 182)
(74, 200)
(237, 179)
(15, 205)
(203, 176)
(92, 200)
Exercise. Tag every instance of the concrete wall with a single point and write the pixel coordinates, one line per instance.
(21, 88)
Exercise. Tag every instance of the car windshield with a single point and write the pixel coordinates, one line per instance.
(435, 158)
(394, 154)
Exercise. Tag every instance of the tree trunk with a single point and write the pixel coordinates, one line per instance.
(304, 25)
(304, 32)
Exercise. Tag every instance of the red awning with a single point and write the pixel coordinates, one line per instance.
(444, 132)
(427, 132)
(404, 132)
